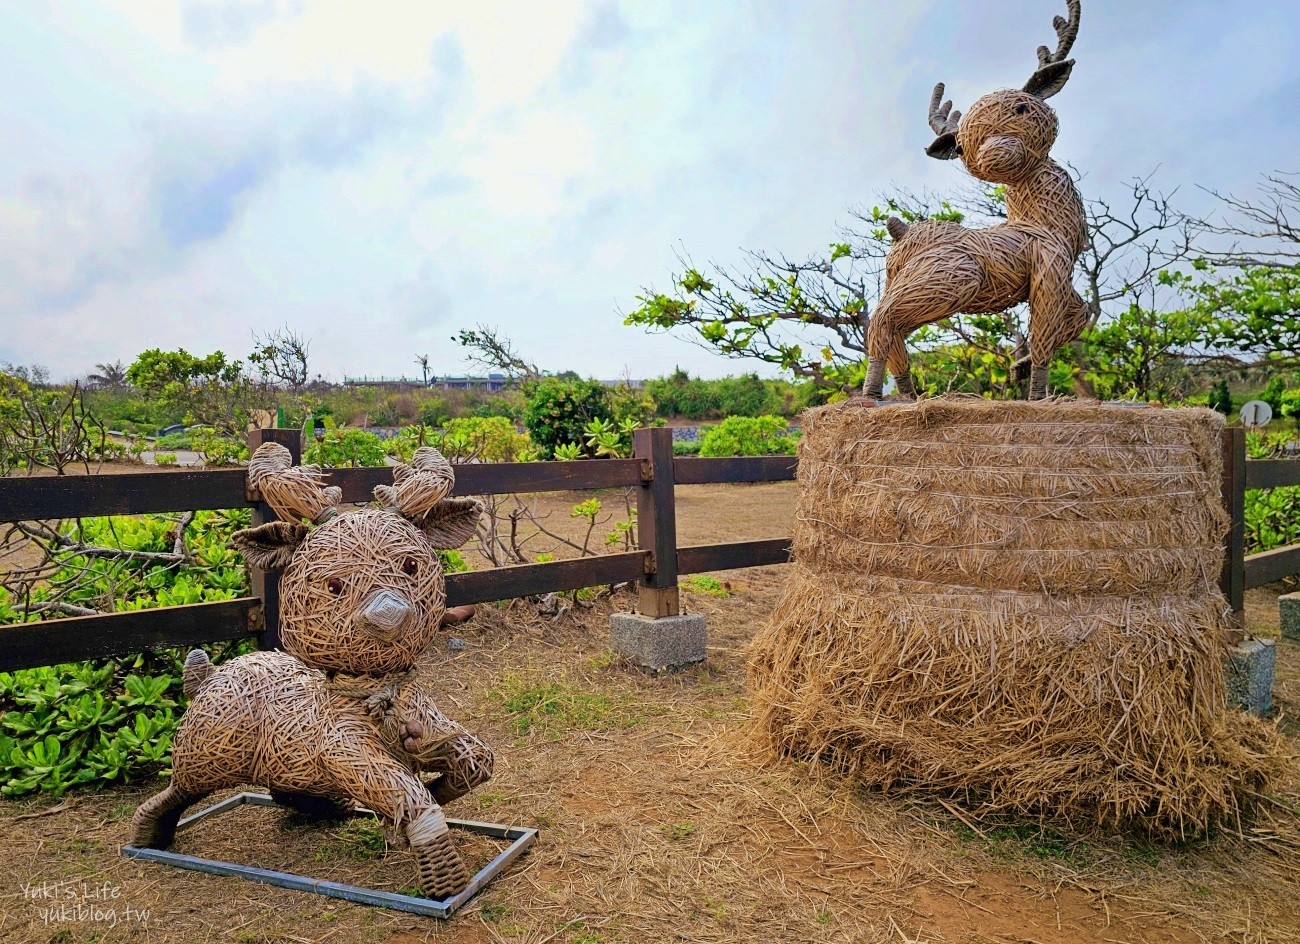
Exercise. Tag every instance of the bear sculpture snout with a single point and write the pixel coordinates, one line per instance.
(384, 614)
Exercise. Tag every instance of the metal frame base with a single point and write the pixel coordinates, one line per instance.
(521, 838)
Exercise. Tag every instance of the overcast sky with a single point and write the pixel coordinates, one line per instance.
(378, 175)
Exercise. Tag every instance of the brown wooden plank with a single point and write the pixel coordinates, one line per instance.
(656, 522)
(1233, 493)
(505, 583)
(23, 645)
(1272, 473)
(85, 496)
(1271, 566)
(703, 558)
(737, 469)
(504, 478)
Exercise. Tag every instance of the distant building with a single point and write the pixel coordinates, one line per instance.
(402, 383)
(491, 383)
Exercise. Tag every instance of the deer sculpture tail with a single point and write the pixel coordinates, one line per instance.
(198, 667)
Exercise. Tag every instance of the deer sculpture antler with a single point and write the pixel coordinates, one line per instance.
(1053, 68)
(943, 122)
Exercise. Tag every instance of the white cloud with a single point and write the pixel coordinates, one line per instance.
(377, 175)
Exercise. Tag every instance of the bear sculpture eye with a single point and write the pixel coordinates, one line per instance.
(334, 586)
(1021, 108)
(410, 567)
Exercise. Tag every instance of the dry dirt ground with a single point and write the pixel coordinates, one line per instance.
(659, 821)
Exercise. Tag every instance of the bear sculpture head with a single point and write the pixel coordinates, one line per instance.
(361, 592)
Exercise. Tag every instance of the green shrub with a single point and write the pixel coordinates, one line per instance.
(487, 439)
(111, 720)
(339, 448)
(1273, 394)
(434, 412)
(174, 441)
(164, 458)
(1221, 398)
(745, 395)
(680, 394)
(479, 439)
(748, 436)
(1272, 518)
(216, 449)
(686, 447)
(557, 411)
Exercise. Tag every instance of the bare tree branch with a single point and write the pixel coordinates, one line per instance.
(487, 348)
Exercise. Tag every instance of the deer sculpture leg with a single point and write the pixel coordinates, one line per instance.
(1057, 313)
(374, 778)
(950, 282)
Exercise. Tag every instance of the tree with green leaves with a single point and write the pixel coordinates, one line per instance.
(112, 376)
(811, 317)
(210, 391)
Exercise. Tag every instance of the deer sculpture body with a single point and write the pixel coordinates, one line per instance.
(937, 269)
(337, 718)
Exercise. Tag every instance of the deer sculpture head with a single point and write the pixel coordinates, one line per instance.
(1008, 133)
(362, 592)
(938, 269)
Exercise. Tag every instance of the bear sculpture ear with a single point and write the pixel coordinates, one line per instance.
(269, 546)
(418, 487)
(450, 523)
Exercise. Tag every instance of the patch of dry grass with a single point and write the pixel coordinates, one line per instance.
(668, 829)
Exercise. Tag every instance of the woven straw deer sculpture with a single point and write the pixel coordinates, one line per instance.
(936, 269)
(336, 719)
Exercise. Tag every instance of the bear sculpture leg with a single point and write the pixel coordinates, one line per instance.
(154, 824)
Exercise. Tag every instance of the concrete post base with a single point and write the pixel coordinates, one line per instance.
(1251, 664)
(1289, 608)
(669, 642)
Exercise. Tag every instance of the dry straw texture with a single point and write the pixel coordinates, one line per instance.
(1015, 604)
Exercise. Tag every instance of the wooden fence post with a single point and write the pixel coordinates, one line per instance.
(1232, 580)
(266, 583)
(656, 519)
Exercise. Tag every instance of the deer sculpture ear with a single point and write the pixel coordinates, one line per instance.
(1050, 79)
(450, 523)
(269, 546)
(944, 147)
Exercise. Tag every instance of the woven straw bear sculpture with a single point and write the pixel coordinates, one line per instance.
(336, 719)
(936, 269)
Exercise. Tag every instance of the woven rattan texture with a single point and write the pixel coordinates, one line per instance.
(339, 717)
(936, 269)
(1014, 605)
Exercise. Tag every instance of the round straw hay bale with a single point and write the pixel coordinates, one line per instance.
(1015, 604)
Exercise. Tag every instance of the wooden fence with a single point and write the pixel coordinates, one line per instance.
(653, 471)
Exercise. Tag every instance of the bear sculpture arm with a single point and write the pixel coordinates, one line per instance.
(432, 742)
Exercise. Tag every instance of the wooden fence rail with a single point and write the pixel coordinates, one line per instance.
(653, 472)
